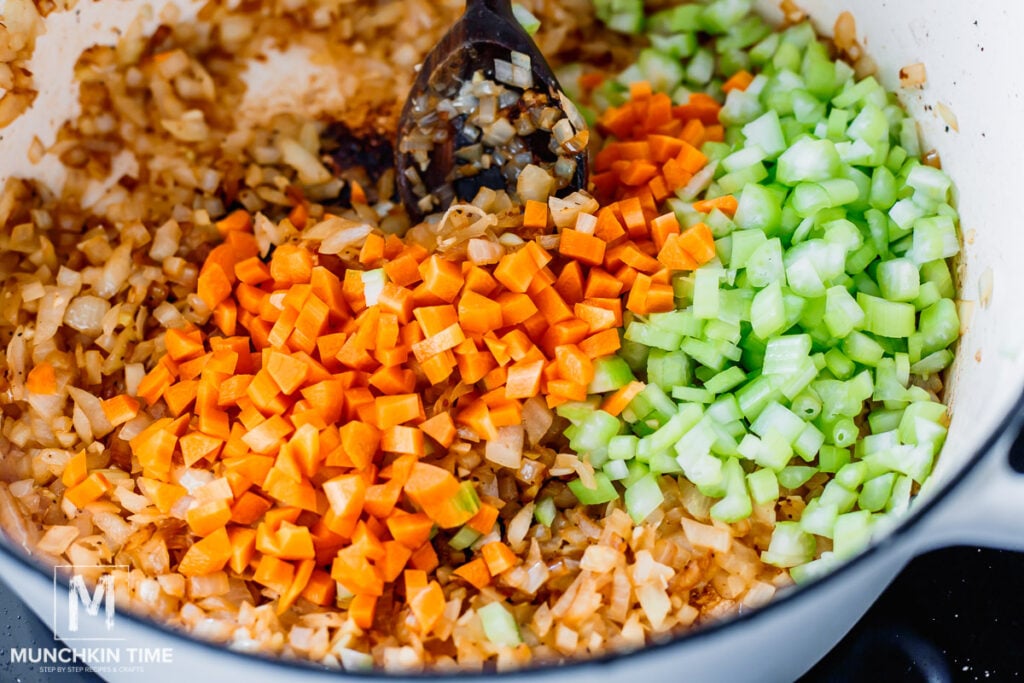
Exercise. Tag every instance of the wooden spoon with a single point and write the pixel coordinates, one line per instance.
(487, 31)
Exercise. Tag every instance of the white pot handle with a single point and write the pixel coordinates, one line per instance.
(985, 510)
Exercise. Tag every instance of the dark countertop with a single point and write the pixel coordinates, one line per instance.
(952, 615)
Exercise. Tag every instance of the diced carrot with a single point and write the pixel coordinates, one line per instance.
(196, 446)
(274, 573)
(698, 242)
(42, 379)
(441, 277)
(362, 609)
(535, 215)
(355, 573)
(162, 494)
(320, 588)
(603, 343)
(372, 250)
(674, 256)
(616, 402)
(249, 508)
(587, 249)
(75, 471)
(120, 409)
(475, 573)
(214, 285)
(726, 203)
(207, 555)
(410, 529)
(401, 439)
(440, 428)
(479, 314)
(303, 572)
(403, 271)
(738, 81)
(425, 558)
(499, 557)
(573, 364)
(483, 521)
(205, 518)
(243, 547)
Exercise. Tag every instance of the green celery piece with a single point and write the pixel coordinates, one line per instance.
(808, 160)
(832, 458)
(722, 15)
(809, 443)
(464, 538)
(679, 45)
(595, 431)
(786, 353)
(604, 491)
(616, 469)
(736, 504)
(544, 511)
(651, 336)
(701, 67)
(746, 241)
(795, 476)
(643, 497)
(669, 434)
(842, 313)
(887, 318)
(622, 447)
(852, 532)
(767, 312)
(725, 380)
(875, 493)
(682, 322)
(610, 373)
(705, 294)
(806, 404)
(526, 19)
(884, 420)
(789, 546)
(819, 518)
(663, 71)
(499, 625)
(766, 266)
(679, 19)
(763, 485)
(836, 494)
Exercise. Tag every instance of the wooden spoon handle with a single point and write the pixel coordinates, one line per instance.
(503, 8)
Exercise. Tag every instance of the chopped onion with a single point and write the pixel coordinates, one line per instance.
(482, 252)
(705, 536)
(507, 449)
(309, 168)
(913, 75)
(86, 313)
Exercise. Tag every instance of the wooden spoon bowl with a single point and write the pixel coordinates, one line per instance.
(486, 32)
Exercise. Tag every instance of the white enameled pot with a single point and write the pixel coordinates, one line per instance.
(973, 53)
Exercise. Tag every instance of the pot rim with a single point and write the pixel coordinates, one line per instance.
(792, 594)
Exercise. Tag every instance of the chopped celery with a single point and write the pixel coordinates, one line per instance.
(544, 511)
(463, 538)
(603, 492)
(525, 18)
(643, 497)
(797, 355)
(500, 626)
(790, 546)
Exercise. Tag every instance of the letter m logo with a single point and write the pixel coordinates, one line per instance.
(78, 592)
